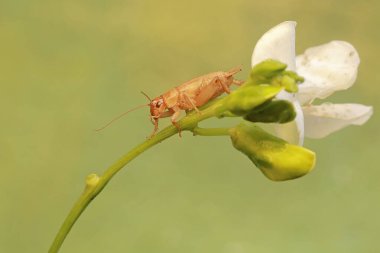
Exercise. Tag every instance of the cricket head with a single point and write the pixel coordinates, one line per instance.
(157, 107)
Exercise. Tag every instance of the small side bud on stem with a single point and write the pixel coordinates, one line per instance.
(92, 181)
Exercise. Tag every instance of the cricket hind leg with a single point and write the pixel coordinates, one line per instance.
(185, 102)
(191, 102)
(219, 80)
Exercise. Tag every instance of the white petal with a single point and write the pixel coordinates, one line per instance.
(326, 68)
(278, 43)
(322, 120)
(292, 132)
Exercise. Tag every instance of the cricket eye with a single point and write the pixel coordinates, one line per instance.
(159, 103)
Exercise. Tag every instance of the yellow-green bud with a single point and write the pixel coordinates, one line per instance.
(264, 71)
(92, 181)
(289, 80)
(273, 72)
(277, 159)
(294, 75)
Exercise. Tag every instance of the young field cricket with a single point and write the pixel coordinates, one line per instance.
(187, 96)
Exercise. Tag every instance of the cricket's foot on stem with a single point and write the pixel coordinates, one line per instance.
(152, 135)
(155, 123)
(178, 127)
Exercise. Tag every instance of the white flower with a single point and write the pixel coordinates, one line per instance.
(326, 68)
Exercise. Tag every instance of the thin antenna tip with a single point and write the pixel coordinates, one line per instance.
(118, 117)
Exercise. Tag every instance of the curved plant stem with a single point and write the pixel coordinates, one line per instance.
(95, 184)
(210, 131)
(245, 99)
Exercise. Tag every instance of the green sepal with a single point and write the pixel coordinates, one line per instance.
(277, 159)
(274, 111)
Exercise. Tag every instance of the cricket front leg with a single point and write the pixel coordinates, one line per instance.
(154, 120)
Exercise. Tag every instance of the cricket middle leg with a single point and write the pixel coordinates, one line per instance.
(174, 118)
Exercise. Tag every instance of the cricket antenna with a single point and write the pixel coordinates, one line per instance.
(118, 117)
(146, 96)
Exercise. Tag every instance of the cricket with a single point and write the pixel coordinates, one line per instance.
(187, 96)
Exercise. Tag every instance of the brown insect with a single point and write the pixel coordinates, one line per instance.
(187, 96)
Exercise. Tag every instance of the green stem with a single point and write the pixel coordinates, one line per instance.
(210, 131)
(95, 184)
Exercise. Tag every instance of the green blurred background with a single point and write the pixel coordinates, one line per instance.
(67, 67)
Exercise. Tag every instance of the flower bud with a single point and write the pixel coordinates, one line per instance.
(289, 80)
(273, 72)
(246, 98)
(264, 71)
(92, 181)
(274, 111)
(277, 159)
